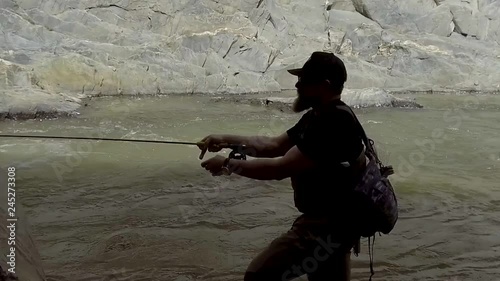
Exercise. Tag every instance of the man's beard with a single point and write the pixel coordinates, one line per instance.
(301, 103)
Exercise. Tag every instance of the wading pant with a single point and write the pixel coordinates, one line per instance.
(312, 247)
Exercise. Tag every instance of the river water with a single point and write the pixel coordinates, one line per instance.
(137, 211)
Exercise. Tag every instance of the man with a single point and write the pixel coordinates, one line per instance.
(322, 154)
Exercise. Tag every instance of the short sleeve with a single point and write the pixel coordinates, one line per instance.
(332, 138)
(295, 132)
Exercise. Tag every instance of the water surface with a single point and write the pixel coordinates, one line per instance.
(134, 211)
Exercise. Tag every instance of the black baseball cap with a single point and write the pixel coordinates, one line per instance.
(322, 65)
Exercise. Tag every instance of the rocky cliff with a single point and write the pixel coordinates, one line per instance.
(76, 48)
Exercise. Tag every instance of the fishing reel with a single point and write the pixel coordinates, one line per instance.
(238, 153)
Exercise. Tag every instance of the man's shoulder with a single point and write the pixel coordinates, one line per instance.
(338, 106)
(306, 116)
(339, 111)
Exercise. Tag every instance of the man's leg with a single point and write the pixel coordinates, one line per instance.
(280, 261)
(336, 268)
(329, 250)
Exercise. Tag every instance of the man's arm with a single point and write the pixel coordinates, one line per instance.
(279, 168)
(262, 146)
(319, 145)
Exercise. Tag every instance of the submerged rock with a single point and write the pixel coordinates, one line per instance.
(355, 98)
(376, 98)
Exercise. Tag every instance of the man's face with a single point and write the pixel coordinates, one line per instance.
(307, 94)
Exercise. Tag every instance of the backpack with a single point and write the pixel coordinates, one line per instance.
(373, 195)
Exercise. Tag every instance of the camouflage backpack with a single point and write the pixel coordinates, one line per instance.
(374, 195)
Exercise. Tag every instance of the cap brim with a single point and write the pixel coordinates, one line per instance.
(296, 71)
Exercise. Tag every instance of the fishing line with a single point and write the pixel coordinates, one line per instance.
(103, 139)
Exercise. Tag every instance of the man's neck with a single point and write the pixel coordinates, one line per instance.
(325, 103)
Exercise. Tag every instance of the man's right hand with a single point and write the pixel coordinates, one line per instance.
(212, 143)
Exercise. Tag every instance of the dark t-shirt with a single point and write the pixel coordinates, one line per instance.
(328, 138)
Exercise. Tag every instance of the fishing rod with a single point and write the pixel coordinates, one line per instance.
(99, 139)
(237, 153)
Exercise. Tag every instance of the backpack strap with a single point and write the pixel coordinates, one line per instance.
(369, 147)
(368, 142)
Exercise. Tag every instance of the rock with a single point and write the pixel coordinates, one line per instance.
(13, 74)
(341, 5)
(400, 15)
(438, 21)
(416, 60)
(8, 4)
(466, 19)
(348, 21)
(27, 103)
(371, 97)
(476, 18)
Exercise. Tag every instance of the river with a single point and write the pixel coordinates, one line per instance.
(135, 211)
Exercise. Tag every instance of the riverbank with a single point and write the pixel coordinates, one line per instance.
(23, 104)
(27, 103)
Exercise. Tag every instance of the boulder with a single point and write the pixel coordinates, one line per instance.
(29, 103)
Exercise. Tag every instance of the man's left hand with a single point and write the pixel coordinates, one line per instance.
(214, 165)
